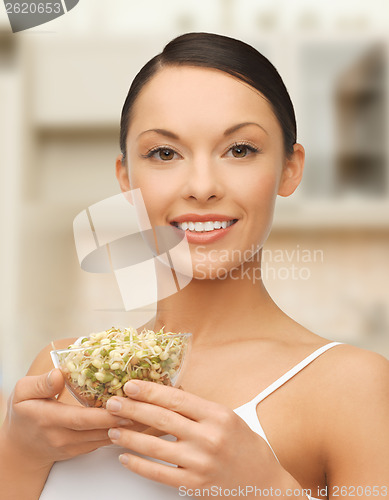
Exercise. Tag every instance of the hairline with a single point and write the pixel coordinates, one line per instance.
(160, 65)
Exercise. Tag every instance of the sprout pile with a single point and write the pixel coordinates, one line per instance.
(99, 367)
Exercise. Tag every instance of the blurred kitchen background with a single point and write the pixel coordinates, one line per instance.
(62, 86)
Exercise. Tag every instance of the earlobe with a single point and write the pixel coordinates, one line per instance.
(122, 174)
(292, 172)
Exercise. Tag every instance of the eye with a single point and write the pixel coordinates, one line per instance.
(241, 150)
(166, 154)
(162, 153)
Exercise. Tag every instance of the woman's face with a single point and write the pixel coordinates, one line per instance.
(206, 150)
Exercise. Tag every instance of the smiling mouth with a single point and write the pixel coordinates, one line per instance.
(202, 227)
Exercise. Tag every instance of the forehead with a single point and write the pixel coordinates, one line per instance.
(194, 98)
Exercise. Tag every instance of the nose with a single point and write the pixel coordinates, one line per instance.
(203, 181)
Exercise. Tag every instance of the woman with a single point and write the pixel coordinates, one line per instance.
(208, 135)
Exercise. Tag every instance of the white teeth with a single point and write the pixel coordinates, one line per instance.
(200, 227)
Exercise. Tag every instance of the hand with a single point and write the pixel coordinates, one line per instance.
(41, 428)
(214, 446)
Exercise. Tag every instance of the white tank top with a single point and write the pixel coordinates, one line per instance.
(99, 474)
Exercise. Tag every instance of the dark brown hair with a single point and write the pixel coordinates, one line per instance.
(225, 54)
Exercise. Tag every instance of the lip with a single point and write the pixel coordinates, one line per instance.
(201, 218)
(204, 237)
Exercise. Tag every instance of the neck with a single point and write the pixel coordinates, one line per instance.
(218, 311)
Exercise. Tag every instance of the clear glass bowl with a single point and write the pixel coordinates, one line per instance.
(94, 374)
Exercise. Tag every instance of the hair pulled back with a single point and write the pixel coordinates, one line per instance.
(226, 54)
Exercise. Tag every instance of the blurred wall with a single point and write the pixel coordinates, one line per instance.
(62, 86)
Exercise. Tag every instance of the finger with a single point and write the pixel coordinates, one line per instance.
(138, 427)
(82, 419)
(89, 436)
(185, 403)
(151, 415)
(59, 437)
(151, 446)
(166, 474)
(87, 447)
(145, 429)
(77, 418)
(42, 386)
(150, 430)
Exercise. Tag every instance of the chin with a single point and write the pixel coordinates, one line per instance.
(213, 271)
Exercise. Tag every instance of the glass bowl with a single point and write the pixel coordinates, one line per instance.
(94, 373)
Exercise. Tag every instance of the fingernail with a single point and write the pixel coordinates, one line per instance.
(113, 405)
(114, 433)
(123, 459)
(131, 389)
(50, 379)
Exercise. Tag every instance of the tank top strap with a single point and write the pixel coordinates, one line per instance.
(291, 373)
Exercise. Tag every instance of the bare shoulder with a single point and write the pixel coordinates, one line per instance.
(353, 376)
(43, 363)
(355, 405)
(355, 368)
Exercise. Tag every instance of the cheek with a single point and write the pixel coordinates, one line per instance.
(260, 201)
(258, 192)
(155, 197)
(264, 193)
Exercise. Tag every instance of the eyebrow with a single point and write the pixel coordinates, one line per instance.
(160, 131)
(229, 131)
(234, 128)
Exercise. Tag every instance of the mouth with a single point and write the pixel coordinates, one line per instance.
(195, 226)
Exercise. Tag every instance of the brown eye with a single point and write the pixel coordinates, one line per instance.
(166, 154)
(239, 151)
(162, 153)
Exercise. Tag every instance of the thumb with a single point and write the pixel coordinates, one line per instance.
(42, 386)
(55, 382)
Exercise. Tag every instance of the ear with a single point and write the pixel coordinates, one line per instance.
(122, 174)
(292, 171)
